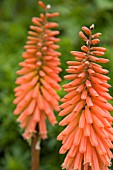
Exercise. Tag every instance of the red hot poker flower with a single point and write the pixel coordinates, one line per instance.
(88, 137)
(35, 95)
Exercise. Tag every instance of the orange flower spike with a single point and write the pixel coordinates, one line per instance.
(35, 95)
(88, 137)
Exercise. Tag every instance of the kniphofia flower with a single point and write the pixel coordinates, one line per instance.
(87, 138)
(36, 95)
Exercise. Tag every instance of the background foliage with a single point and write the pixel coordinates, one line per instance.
(15, 18)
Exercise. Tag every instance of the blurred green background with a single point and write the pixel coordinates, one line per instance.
(15, 18)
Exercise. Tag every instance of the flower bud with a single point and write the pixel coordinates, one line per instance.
(86, 30)
(81, 34)
(95, 41)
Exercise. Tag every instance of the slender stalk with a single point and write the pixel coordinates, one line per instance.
(35, 151)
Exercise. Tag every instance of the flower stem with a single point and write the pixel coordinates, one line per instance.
(35, 151)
